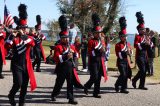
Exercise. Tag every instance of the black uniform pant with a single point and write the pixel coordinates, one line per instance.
(122, 79)
(95, 76)
(84, 56)
(150, 62)
(1, 63)
(37, 61)
(20, 81)
(141, 63)
(65, 72)
(32, 53)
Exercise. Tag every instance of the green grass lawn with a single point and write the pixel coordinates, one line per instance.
(46, 47)
(157, 69)
(112, 61)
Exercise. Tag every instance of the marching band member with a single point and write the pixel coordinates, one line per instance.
(84, 43)
(21, 65)
(122, 49)
(151, 52)
(77, 45)
(96, 60)
(65, 66)
(140, 43)
(38, 49)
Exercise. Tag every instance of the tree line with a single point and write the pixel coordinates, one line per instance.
(80, 11)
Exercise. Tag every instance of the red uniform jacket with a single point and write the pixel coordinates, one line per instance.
(121, 49)
(59, 56)
(139, 44)
(93, 46)
(29, 42)
(121, 53)
(2, 49)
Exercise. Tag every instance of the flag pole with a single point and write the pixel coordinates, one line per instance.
(3, 13)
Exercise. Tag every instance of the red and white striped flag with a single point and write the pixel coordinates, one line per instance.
(8, 19)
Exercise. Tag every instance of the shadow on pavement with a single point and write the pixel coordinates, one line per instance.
(43, 97)
(152, 83)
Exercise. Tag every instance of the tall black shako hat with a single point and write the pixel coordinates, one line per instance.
(96, 23)
(38, 20)
(123, 25)
(22, 8)
(63, 25)
(16, 21)
(140, 20)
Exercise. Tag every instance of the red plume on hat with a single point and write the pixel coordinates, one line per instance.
(96, 23)
(63, 25)
(38, 20)
(22, 8)
(123, 25)
(140, 20)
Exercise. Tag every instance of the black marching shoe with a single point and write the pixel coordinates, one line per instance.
(116, 88)
(21, 104)
(143, 88)
(72, 101)
(53, 98)
(85, 90)
(124, 91)
(1, 76)
(96, 96)
(133, 84)
(11, 100)
(38, 70)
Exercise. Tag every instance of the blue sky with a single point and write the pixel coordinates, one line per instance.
(150, 10)
(48, 11)
(46, 8)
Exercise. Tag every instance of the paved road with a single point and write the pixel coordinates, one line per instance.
(46, 80)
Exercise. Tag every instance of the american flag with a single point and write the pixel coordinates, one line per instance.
(8, 19)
